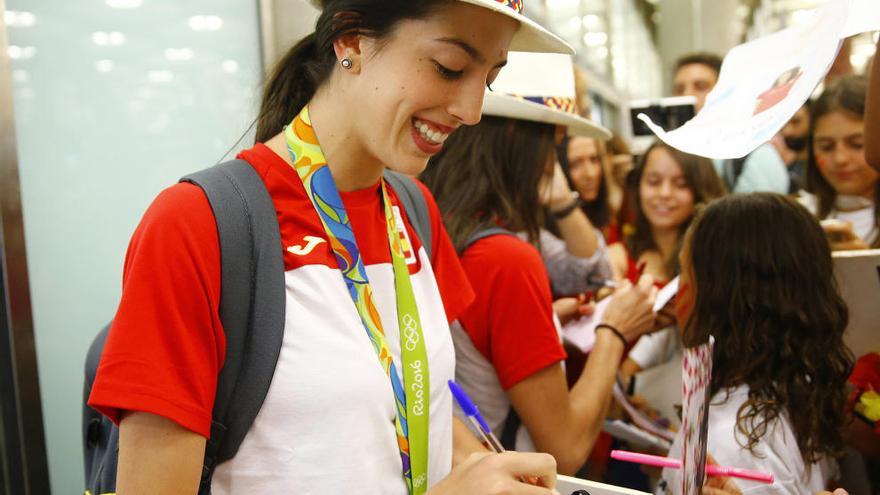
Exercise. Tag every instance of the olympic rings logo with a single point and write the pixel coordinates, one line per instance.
(420, 480)
(410, 332)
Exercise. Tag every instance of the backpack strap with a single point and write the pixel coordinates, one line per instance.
(414, 203)
(100, 436)
(483, 233)
(252, 302)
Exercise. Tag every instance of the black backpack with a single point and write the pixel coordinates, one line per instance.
(247, 228)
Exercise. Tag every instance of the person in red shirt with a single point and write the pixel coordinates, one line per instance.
(379, 83)
(509, 354)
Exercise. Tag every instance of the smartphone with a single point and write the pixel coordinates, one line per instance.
(669, 113)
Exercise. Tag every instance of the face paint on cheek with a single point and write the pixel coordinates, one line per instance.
(821, 162)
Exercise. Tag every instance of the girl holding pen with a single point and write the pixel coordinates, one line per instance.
(509, 355)
(768, 297)
(380, 83)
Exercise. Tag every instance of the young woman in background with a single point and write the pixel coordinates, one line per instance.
(670, 186)
(846, 188)
(572, 243)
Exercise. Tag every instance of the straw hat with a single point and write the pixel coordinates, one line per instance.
(531, 36)
(540, 87)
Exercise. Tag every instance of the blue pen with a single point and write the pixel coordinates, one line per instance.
(473, 414)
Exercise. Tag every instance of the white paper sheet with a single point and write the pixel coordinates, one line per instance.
(582, 332)
(765, 81)
(666, 294)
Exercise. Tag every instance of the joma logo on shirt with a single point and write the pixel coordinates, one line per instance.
(311, 243)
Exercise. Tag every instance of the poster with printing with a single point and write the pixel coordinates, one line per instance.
(765, 81)
(696, 374)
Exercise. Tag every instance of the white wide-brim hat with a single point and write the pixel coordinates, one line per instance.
(539, 87)
(531, 36)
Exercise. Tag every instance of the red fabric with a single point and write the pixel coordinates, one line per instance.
(612, 233)
(866, 377)
(633, 274)
(511, 320)
(167, 345)
(866, 372)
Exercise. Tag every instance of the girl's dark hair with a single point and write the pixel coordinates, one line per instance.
(765, 289)
(598, 210)
(306, 66)
(488, 175)
(846, 95)
(701, 178)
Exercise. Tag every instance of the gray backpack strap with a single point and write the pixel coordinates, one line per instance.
(100, 436)
(483, 233)
(413, 201)
(252, 302)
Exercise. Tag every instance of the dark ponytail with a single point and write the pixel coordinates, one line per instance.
(305, 67)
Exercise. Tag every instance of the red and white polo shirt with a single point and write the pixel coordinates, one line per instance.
(327, 424)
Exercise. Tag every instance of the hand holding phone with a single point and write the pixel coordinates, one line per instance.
(841, 236)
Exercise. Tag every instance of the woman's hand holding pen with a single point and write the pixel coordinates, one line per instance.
(496, 474)
(631, 311)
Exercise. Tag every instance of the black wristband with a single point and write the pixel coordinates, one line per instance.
(613, 330)
(564, 212)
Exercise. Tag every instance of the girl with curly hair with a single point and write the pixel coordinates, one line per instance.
(756, 273)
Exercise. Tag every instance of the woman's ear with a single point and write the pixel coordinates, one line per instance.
(348, 47)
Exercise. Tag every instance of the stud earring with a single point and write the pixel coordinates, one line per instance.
(346, 63)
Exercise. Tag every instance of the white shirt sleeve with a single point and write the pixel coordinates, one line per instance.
(655, 348)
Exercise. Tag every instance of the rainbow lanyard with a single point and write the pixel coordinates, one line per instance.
(412, 416)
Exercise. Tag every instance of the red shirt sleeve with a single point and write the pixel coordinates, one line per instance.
(167, 345)
(511, 321)
(455, 290)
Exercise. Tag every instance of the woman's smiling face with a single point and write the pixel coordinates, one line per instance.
(666, 197)
(425, 80)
